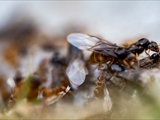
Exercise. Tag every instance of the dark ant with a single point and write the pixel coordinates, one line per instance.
(110, 73)
(143, 45)
(150, 61)
(103, 50)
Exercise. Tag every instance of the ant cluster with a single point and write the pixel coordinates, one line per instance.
(120, 75)
(121, 68)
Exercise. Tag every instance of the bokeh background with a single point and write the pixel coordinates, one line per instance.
(116, 21)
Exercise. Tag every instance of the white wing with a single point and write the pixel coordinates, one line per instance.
(82, 41)
(76, 72)
(88, 42)
(107, 102)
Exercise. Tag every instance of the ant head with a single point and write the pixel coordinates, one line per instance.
(155, 56)
(153, 46)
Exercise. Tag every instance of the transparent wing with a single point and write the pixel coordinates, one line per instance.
(88, 42)
(107, 102)
(76, 72)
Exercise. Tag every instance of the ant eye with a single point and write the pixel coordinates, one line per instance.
(152, 44)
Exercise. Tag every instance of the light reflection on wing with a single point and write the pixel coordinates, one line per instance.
(76, 72)
(81, 41)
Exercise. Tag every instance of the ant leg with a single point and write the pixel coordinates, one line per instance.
(110, 63)
(70, 92)
(137, 59)
(97, 67)
(126, 63)
(114, 75)
(99, 83)
(147, 53)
